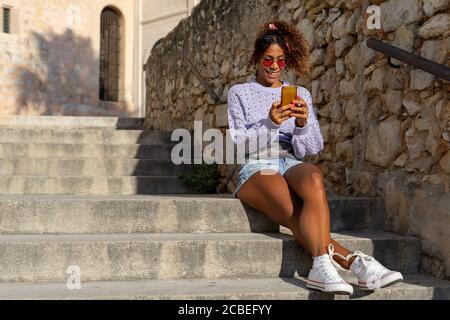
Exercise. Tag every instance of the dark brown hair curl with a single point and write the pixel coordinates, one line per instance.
(289, 38)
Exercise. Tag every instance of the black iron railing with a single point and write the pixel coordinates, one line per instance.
(205, 84)
(412, 59)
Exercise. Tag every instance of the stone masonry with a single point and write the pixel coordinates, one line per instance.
(386, 130)
(49, 63)
(50, 59)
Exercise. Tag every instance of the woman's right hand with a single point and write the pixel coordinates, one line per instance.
(278, 114)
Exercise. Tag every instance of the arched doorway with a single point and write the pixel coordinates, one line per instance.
(110, 55)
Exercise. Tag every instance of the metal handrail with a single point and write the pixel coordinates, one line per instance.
(412, 59)
(208, 88)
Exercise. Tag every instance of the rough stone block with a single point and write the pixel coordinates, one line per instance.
(221, 114)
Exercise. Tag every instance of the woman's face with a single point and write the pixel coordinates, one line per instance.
(269, 73)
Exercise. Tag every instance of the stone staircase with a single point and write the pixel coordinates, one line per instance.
(91, 156)
(102, 195)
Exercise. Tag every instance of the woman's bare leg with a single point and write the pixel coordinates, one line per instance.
(271, 195)
(314, 223)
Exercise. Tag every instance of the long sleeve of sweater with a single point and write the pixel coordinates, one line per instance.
(244, 134)
(307, 140)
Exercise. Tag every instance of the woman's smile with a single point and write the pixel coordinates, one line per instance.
(272, 74)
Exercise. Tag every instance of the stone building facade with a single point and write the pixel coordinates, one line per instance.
(51, 57)
(386, 130)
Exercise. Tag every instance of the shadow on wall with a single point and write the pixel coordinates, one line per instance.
(61, 77)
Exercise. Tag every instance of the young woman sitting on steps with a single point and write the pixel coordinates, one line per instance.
(283, 187)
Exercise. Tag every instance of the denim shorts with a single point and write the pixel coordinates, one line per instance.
(250, 167)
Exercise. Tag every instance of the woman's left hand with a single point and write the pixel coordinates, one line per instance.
(300, 111)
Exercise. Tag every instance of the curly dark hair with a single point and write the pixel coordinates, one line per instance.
(289, 38)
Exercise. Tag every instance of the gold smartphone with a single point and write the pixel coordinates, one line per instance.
(288, 93)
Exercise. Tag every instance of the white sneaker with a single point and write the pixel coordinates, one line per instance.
(371, 274)
(324, 277)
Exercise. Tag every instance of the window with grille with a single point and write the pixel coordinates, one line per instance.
(6, 20)
(110, 55)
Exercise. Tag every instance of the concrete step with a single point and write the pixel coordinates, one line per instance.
(43, 258)
(71, 122)
(68, 150)
(90, 167)
(162, 214)
(414, 287)
(95, 185)
(83, 135)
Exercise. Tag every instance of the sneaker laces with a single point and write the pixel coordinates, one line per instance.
(332, 253)
(370, 263)
(328, 271)
(365, 259)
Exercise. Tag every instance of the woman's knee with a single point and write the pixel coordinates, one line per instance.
(313, 180)
(307, 181)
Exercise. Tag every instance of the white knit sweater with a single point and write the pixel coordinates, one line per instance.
(248, 116)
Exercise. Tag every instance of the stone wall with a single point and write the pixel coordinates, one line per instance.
(386, 130)
(155, 20)
(49, 64)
